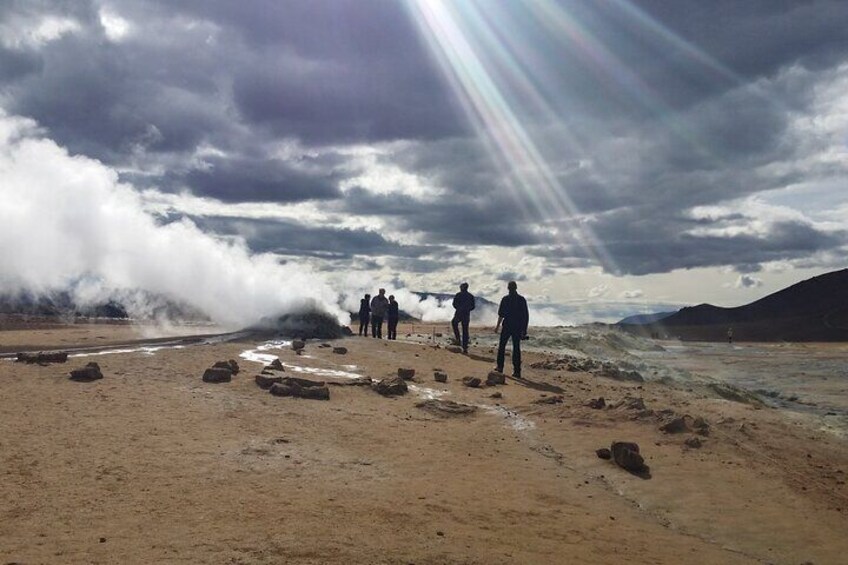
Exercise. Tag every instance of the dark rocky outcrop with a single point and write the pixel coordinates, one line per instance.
(91, 372)
(358, 381)
(42, 357)
(230, 364)
(266, 381)
(446, 407)
(295, 390)
(391, 386)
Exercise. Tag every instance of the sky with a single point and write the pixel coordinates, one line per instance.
(614, 157)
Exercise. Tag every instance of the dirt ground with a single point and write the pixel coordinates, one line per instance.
(152, 465)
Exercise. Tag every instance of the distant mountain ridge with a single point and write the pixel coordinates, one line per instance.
(815, 309)
(478, 300)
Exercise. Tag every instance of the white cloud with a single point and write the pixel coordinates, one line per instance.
(116, 27)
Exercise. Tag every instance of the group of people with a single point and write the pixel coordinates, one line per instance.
(513, 319)
(375, 310)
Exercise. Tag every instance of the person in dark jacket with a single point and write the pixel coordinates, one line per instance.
(379, 305)
(463, 304)
(392, 316)
(514, 316)
(364, 314)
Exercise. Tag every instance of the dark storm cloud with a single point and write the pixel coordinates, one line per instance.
(260, 180)
(293, 238)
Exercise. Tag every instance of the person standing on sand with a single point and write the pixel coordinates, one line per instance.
(729, 335)
(515, 317)
(463, 304)
(364, 314)
(379, 305)
(392, 316)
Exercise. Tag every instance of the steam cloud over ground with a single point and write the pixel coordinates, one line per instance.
(67, 223)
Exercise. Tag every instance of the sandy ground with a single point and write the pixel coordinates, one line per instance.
(151, 465)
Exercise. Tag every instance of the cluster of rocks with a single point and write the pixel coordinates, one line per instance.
(390, 386)
(42, 357)
(91, 372)
(300, 388)
(494, 378)
(221, 372)
(626, 455)
(589, 365)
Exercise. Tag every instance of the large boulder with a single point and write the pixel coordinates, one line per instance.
(217, 375)
(42, 357)
(91, 372)
(626, 455)
(406, 374)
(295, 390)
(391, 386)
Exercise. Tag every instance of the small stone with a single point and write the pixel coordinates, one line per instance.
(406, 374)
(298, 344)
(496, 395)
(495, 378)
(596, 403)
(693, 442)
(440, 377)
(340, 350)
(556, 399)
(276, 365)
(217, 375)
(472, 382)
(603, 453)
(676, 426)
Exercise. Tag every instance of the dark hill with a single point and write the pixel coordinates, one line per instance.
(812, 310)
(640, 319)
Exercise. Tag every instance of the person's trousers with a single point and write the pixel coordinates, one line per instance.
(377, 326)
(393, 323)
(464, 320)
(506, 335)
(363, 325)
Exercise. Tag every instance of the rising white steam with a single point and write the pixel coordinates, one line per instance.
(66, 219)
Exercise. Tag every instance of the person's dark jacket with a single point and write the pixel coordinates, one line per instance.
(513, 310)
(364, 308)
(379, 304)
(392, 313)
(463, 303)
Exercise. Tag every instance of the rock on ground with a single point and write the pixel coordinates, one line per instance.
(596, 403)
(43, 357)
(298, 344)
(391, 386)
(267, 381)
(440, 377)
(230, 364)
(295, 390)
(626, 455)
(495, 378)
(276, 365)
(217, 375)
(340, 350)
(446, 407)
(406, 374)
(472, 382)
(90, 372)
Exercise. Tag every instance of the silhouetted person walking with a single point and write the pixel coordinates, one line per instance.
(463, 303)
(379, 305)
(364, 314)
(514, 315)
(392, 316)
